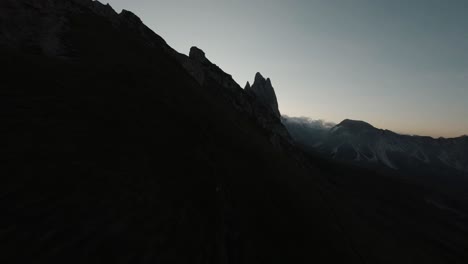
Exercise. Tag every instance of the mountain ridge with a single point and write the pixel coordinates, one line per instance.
(360, 142)
(363, 124)
(354, 124)
(119, 149)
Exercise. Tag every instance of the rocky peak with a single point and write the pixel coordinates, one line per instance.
(198, 55)
(259, 78)
(355, 125)
(130, 16)
(263, 90)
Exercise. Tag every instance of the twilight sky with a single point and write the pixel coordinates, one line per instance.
(397, 64)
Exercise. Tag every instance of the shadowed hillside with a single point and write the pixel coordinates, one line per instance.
(113, 152)
(116, 148)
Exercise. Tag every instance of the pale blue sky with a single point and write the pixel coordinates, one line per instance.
(397, 64)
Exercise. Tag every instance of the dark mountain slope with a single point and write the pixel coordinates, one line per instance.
(113, 152)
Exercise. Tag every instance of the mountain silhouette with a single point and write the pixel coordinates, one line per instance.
(117, 148)
(355, 125)
(263, 90)
(120, 149)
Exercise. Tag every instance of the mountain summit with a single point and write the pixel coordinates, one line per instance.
(263, 90)
(355, 125)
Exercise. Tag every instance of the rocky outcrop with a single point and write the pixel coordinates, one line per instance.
(199, 56)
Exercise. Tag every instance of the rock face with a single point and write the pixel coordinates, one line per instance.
(265, 94)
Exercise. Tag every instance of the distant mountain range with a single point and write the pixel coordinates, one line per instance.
(361, 143)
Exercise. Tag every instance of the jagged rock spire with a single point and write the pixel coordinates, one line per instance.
(264, 92)
(259, 77)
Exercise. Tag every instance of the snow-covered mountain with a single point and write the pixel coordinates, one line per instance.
(359, 142)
